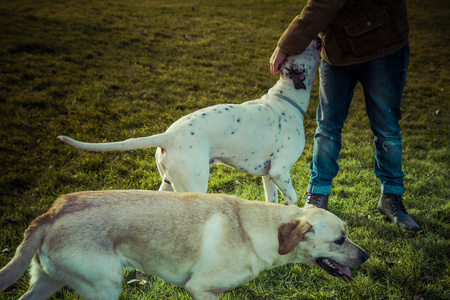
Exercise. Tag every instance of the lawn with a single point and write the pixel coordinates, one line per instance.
(111, 70)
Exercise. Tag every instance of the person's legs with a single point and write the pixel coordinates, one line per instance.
(336, 90)
(383, 80)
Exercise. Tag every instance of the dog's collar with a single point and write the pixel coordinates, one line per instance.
(282, 97)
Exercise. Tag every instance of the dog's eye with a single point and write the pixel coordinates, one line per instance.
(340, 241)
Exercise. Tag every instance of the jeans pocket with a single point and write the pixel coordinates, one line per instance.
(369, 33)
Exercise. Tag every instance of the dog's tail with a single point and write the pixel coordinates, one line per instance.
(24, 253)
(158, 140)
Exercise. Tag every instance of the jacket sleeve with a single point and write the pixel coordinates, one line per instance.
(314, 18)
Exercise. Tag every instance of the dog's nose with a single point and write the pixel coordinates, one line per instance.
(365, 256)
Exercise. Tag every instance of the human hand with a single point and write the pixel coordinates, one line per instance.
(276, 59)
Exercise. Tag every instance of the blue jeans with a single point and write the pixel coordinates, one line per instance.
(382, 80)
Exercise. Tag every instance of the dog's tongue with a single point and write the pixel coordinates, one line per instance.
(344, 270)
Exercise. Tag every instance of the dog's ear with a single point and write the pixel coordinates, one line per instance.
(298, 77)
(291, 233)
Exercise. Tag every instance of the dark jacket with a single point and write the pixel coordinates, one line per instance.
(352, 31)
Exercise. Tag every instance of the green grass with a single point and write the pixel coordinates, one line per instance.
(110, 70)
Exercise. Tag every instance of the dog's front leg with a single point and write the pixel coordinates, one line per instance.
(270, 189)
(284, 183)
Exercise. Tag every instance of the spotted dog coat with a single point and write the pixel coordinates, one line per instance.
(263, 137)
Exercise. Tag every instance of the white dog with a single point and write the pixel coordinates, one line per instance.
(264, 137)
(206, 243)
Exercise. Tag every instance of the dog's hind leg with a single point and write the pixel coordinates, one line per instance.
(270, 189)
(165, 185)
(186, 172)
(180, 174)
(201, 293)
(99, 278)
(42, 285)
(192, 181)
(101, 289)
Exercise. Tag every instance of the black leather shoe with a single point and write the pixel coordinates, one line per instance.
(319, 200)
(391, 205)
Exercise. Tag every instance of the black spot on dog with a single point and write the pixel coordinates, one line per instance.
(192, 133)
(298, 77)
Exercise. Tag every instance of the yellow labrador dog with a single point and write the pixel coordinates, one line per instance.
(205, 243)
